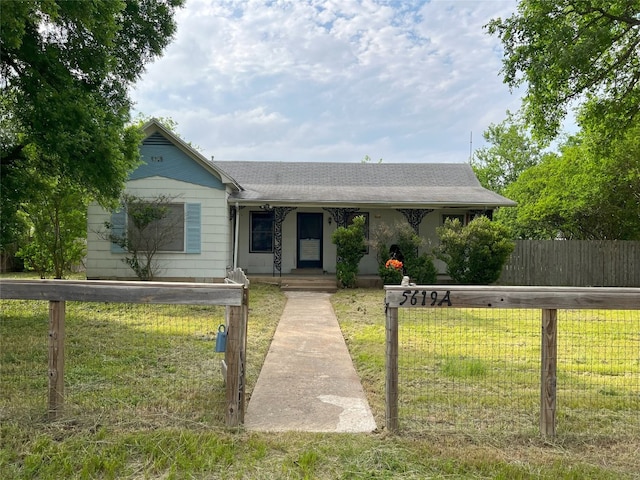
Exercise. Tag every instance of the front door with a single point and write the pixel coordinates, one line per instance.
(310, 240)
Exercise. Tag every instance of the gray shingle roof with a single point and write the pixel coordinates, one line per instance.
(401, 184)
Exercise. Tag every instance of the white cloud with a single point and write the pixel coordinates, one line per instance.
(331, 80)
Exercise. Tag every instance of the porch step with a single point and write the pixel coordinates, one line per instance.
(309, 284)
(307, 271)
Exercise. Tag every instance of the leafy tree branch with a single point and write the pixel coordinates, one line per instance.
(569, 51)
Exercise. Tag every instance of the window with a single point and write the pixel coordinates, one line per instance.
(165, 234)
(473, 214)
(447, 216)
(177, 229)
(261, 232)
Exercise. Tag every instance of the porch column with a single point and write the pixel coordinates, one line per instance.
(279, 214)
(414, 216)
(340, 215)
(234, 214)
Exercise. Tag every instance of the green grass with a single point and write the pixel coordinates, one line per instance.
(145, 398)
(475, 373)
(458, 363)
(463, 367)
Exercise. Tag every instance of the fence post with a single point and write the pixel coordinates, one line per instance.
(233, 366)
(234, 358)
(391, 377)
(243, 349)
(548, 379)
(56, 358)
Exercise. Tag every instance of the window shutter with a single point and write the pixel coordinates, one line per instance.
(118, 222)
(193, 228)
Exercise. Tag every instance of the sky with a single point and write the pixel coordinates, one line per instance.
(331, 80)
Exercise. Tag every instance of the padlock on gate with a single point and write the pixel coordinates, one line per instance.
(221, 339)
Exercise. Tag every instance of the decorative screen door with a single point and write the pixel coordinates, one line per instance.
(310, 240)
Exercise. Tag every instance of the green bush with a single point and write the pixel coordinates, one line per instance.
(58, 220)
(36, 258)
(422, 270)
(381, 238)
(390, 275)
(419, 268)
(350, 248)
(474, 254)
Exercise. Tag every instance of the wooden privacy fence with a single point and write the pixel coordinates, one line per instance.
(547, 299)
(233, 295)
(578, 263)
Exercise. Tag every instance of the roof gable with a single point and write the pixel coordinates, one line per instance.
(166, 155)
(163, 159)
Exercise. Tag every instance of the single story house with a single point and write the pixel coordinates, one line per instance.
(276, 218)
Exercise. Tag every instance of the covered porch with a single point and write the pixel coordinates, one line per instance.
(284, 213)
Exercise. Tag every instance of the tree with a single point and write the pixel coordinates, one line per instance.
(13, 223)
(512, 151)
(66, 67)
(475, 253)
(568, 51)
(57, 218)
(350, 248)
(590, 191)
(150, 228)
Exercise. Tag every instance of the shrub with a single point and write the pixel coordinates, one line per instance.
(350, 248)
(57, 216)
(391, 272)
(402, 237)
(381, 238)
(474, 254)
(422, 271)
(151, 227)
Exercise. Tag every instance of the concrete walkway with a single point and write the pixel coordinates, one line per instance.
(308, 382)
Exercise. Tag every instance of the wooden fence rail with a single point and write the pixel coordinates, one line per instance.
(579, 263)
(57, 292)
(546, 299)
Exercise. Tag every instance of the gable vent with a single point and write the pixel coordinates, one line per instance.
(156, 139)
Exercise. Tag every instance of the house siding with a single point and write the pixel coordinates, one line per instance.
(215, 240)
(162, 159)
